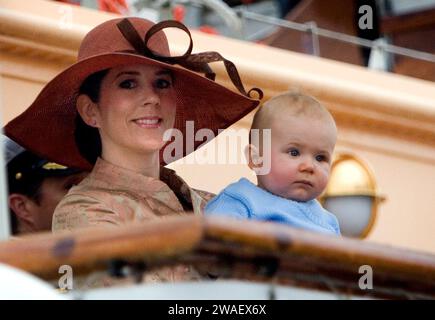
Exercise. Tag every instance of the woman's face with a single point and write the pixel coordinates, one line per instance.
(136, 107)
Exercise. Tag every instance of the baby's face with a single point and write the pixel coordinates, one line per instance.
(301, 151)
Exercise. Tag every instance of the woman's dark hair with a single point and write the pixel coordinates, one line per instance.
(87, 138)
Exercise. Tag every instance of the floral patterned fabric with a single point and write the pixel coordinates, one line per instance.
(112, 195)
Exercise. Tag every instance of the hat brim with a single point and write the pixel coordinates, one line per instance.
(47, 126)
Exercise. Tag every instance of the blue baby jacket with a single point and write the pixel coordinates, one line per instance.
(243, 199)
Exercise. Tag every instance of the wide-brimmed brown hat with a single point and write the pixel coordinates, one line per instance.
(47, 126)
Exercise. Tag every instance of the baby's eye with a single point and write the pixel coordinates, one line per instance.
(294, 152)
(163, 83)
(128, 84)
(321, 158)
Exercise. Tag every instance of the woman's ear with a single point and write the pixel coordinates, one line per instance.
(253, 157)
(88, 110)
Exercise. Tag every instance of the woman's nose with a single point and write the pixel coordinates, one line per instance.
(151, 97)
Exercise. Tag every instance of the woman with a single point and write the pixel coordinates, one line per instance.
(109, 112)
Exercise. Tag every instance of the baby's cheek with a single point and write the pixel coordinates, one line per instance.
(284, 177)
(323, 178)
(281, 172)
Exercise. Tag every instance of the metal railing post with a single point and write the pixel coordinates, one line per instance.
(312, 30)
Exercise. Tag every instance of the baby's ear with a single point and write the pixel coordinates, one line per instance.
(253, 157)
(88, 110)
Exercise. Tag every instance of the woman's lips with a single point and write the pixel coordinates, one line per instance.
(148, 122)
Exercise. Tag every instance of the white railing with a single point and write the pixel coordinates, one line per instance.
(316, 31)
(309, 28)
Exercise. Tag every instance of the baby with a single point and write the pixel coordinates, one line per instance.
(303, 137)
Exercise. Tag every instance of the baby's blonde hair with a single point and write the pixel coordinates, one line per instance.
(293, 103)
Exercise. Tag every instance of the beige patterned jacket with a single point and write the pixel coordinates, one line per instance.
(113, 196)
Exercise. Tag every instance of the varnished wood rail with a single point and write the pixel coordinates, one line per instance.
(233, 249)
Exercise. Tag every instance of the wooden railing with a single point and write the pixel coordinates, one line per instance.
(248, 250)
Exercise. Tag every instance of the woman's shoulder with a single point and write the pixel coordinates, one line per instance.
(195, 197)
(85, 205)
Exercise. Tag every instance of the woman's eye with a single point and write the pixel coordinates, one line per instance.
(128, 84)
(294, 152)
(163, 83)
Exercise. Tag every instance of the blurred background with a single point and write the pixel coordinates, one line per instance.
(396, 35)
